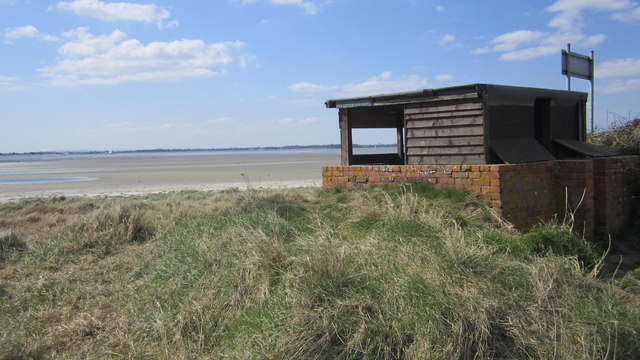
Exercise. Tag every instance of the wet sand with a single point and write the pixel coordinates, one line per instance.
(119, 175)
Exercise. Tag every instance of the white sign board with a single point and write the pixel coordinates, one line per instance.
(577, 65)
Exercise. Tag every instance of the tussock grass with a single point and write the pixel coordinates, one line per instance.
(398, 273)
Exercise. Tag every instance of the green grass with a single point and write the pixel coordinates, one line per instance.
(381, 273)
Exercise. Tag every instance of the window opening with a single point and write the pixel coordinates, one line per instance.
(374, 141)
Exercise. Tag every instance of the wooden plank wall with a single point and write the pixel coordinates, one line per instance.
(445, 132)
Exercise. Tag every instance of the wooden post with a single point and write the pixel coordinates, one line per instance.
(400, 136)
(568, 72)
(346, 147)
(593, 99)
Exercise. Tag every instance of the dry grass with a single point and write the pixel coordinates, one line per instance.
(406, 273)
(623, 137)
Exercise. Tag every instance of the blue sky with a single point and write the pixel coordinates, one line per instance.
(107, 75)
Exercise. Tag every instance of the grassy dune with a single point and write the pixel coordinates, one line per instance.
(404, 273)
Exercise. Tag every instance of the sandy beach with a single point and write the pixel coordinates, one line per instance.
(127, 174)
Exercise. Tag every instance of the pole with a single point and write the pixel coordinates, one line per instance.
(568, 72)
(593, 79)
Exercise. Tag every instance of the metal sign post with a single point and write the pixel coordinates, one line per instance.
(580, 66)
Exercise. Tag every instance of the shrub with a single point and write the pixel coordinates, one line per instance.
(623, 137)
(560, 240)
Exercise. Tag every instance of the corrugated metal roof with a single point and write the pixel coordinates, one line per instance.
(402, 97)
(584, 148)
(503, 94)
(516, 151)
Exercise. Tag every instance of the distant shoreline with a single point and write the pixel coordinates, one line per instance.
(148, 173)
(161, 150)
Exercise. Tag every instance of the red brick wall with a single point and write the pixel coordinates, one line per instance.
(529, 194)
(483, 180)
(615, 183)
(596, 191)
(575, 181)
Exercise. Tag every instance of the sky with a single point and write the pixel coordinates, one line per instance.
(148, 74)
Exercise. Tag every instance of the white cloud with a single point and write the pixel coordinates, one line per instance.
(519, 36)
(530, 53)
(28, 31)
(220, 120)
(10, 83)
(483, 50)
(566, 27)
(309, 7)
(445, 39)
(576, 5)
(309, 120)
(305, 102)
(383, 83)
(245, 60)
(511, 41)
(440, 8)
(526, 44)
(628, 16)
(569, 12)
(6, 81)
(444, 77)
(619, 67)
(120, 11)
(114, 59)
(593, 40)
(620, 86)
(308, 87)
(509, 44)
(128, 127)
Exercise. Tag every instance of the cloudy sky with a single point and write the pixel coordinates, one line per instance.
(107, 75)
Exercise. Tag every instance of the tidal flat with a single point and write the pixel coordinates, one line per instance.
(138, 174)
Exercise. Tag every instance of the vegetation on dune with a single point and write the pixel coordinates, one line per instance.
(398, 273)
(621, 136)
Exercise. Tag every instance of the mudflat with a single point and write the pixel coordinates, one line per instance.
(129, 174)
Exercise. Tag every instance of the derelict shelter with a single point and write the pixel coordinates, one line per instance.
(470, 124)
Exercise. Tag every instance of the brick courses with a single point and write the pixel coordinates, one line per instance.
(596, 191)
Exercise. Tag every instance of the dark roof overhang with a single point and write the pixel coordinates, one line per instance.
(405, 97)
(503, 94)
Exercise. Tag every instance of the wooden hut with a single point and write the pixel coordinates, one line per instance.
(470, 124)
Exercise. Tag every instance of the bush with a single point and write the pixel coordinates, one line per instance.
(623, 137)
(560, 240)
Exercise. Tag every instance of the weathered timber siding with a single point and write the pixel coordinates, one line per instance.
(445, 132)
